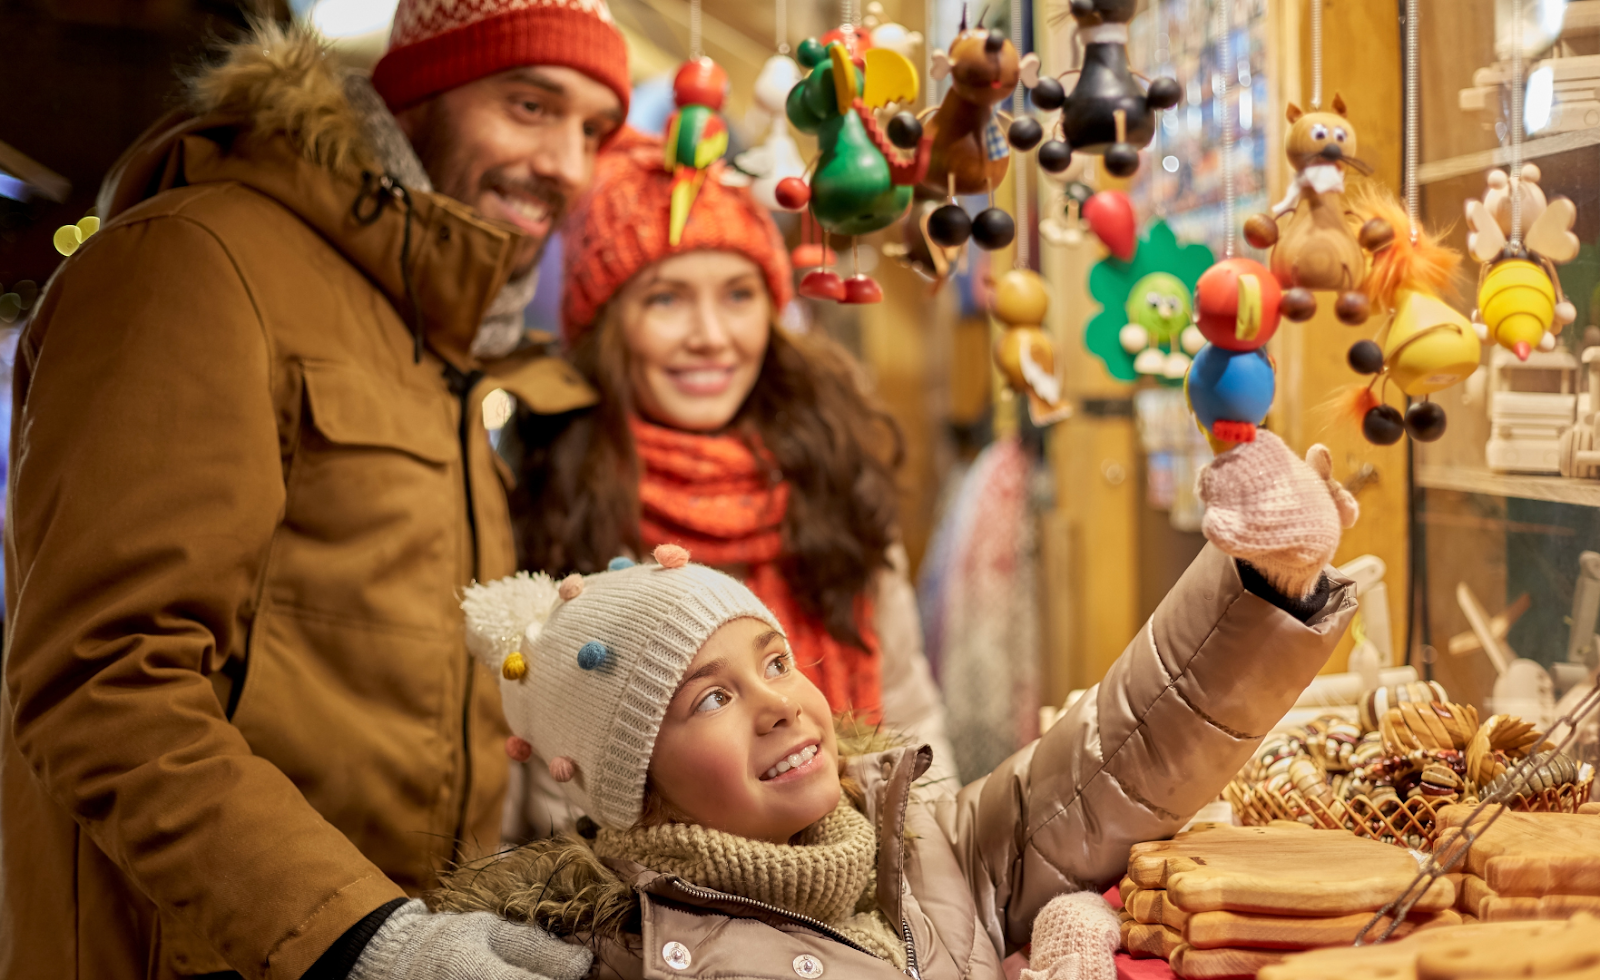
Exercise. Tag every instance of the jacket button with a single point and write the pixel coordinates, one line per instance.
(677, 955)
(807, 967)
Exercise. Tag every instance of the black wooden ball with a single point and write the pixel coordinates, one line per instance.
(1055, 156)
(993, 229)
(1383, 425)
(905, 131)
(1048, 95)
(949, 226)
(1425, 421)
(1025, 133)
(1365, 357)
(1122, 159)
(1164, 93)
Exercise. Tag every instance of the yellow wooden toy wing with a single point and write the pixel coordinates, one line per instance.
(1551, 236)
(891, 77)
(844, 77)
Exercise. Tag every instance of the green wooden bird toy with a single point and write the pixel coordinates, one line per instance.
(696, 135)
(860, 184)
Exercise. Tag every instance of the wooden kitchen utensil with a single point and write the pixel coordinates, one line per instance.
(1530, 854)
(1279, 871)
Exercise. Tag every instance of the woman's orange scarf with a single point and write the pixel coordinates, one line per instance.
(726, 504)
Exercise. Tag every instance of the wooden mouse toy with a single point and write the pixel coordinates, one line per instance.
(1310, 230)
(968, 143)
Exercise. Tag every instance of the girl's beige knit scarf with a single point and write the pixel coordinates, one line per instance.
(831, 879)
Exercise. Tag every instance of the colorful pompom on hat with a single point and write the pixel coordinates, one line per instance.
(587, 666)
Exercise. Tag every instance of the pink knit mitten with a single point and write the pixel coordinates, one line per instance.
(1075, 937)
(1281, 515)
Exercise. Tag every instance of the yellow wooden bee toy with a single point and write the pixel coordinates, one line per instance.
(1520, 303)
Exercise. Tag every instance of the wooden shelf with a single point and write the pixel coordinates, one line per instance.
(1472, 163)
(1584, 493)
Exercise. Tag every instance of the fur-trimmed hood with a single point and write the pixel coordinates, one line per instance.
(277, 114)
(275, 81)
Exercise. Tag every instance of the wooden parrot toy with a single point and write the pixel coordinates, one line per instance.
(1520, 303)
(1314, 245)
(697, 136)
(861, 183)
(1106, 114)
(1024, 353)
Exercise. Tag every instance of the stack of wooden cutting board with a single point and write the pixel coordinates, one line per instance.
(1526, 865)
(1484, 951)
(1220, 901)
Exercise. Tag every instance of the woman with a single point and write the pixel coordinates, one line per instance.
(718, 430)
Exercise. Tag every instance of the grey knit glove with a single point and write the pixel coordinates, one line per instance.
(415, 944)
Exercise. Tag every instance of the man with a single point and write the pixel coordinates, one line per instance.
(250, 479)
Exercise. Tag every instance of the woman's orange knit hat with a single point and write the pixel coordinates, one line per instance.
(620, 227)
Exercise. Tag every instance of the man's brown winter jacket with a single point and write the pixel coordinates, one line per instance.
(238, 713)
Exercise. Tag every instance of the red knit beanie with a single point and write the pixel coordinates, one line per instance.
(620, 227)
(437, 45)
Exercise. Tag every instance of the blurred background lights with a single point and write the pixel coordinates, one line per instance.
(350, 18)
(1537, 103)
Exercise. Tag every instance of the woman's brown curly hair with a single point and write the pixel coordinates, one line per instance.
(576, 505)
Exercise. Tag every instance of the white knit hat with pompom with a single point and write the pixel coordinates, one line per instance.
(588, 666)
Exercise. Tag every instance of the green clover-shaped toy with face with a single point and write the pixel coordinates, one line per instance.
(1145, 327)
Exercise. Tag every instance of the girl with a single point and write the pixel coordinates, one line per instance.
(720, 431)
(738, 835)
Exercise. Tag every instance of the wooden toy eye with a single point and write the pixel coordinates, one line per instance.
(1319, 132)
(1339, 134)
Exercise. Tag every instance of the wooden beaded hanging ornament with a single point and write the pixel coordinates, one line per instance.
(859, 183)
(1106, 114)
(1231, 381)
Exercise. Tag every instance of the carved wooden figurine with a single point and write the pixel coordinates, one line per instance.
(1312, 232)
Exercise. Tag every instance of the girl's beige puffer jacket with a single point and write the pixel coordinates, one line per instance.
(1177, 715)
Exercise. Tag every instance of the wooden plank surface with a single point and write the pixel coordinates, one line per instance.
(1397, 960)
(1276, 870)
(1531, 854)
(1220, 964)
(1213, 930)
(1150, 906)
(1145, 941)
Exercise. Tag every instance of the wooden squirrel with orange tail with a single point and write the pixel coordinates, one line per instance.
(1309, 231)
(1424, 345)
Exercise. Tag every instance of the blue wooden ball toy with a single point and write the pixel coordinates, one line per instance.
(1230, 386)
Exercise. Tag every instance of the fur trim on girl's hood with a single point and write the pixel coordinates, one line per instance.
(561, 886)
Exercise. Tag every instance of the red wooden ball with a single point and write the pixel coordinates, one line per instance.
(792, 193)
(700, 81)
(1217, 297)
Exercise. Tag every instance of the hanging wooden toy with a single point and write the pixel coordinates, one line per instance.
(777, 158)
(1231, 381)
(1024, 353)
(1309, 231)
(1106, 114)
(1521, 305)
(1424, 345)
(860, 183)
(1145, 325)
(968, 150)
(697, 137)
